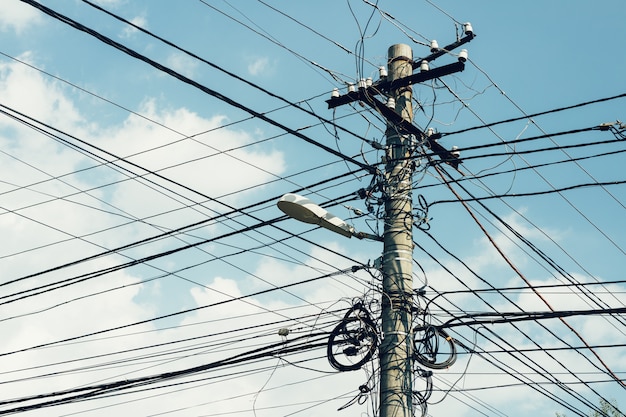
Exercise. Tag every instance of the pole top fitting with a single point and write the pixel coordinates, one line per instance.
(400, 51)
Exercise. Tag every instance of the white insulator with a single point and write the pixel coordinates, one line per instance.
(351, 88)
(463, 55)
(455, 151)
(424, 66)
(434, 46)
(369, 82)
(362, 83)
(382, 72)
(430, 131)
(467, 27)
(335, 93)
(391, 103)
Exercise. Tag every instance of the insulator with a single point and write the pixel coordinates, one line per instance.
(434, 46)
(467, 27)
(463, 55)
(335, 93)
(424, 66)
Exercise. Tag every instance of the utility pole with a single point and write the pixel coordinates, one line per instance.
(396, 349)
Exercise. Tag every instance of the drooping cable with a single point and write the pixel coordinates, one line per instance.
(530, 116)
(527, 282)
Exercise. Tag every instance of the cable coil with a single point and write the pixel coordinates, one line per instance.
(354, 341)
(430, 345)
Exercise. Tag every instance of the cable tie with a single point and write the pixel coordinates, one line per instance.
(398, 333)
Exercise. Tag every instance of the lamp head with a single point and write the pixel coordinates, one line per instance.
(304, 210)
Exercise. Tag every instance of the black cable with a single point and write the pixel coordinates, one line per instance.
(538, 150)
(511, 371)
(181, 77)
(518, 169)
(192, 83)
(215, 66)
(495, 310)
(521, 288)
(56, 137)
(184, 136)
(527, 117)
(511, 317)
(353, 341)
(317, 325)
(189, 310)
(531, 194)
(337, 44)
(532, 138)
(567, 348)
(89, 392)
(149, 239)
(551, 263)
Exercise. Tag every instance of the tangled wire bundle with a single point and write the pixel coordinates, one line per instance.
(354, 341)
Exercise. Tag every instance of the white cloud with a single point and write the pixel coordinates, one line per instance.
(17, 16)
(129, 31)
(260, 66)
(25, 90)
(182, 63)
(182, 159)
(28, 157)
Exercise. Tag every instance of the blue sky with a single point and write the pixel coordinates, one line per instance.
(101, 152)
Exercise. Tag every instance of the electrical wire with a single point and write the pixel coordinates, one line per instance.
(530, 116)
(190, 82)
(219, 68)
(520, 316)
(518, 272)
(117, 250)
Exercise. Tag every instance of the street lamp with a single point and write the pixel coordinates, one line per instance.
(304, 210)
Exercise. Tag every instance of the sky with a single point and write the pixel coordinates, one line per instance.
(146, 270)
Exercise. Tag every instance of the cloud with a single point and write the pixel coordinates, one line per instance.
(182, 63)
(260, 66)
(181, 159)
(50, 204)
(18, 16)
(114, 200)
(129, 31)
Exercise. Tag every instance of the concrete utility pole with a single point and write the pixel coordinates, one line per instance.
(396, 349)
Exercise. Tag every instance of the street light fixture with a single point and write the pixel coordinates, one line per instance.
(304, 210)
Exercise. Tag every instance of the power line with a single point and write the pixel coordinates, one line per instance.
(89, 392)
(548, 135)
(192, 83)
(221, 69)
(525, 279)
(534, 193)
(186, 311)
(512, 317)
(146, 240)
(530, 116)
